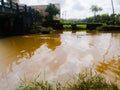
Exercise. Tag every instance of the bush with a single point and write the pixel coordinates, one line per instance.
(50, 29)
(95, 82)
(40, 29)
(84, 82)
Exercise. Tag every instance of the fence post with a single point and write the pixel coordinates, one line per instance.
(10, 4)
(11, 7)
(17, 7)
(2, 2)
(3, 5)
(29, 10)
(25, 8)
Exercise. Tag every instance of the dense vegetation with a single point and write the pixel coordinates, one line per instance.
(52, 11)
(95, 9)
(104, 18)
(84, 82)
(39, 18)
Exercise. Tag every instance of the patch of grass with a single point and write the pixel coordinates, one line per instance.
(84, 82)
(35, 85)
(81, 26)
(95, 82)
(67, 26)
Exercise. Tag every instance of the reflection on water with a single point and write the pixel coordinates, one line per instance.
(57, 57)
(24, 46)
(111, 70)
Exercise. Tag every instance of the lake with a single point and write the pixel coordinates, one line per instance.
(58, 57)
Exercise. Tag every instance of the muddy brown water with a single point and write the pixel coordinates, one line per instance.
(58, 57)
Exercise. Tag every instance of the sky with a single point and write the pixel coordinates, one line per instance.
(78, 9)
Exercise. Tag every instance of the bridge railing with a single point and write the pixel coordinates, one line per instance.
(7, 5)
(21, 8)
(14, 6)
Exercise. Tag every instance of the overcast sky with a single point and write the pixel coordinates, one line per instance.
(76, 9)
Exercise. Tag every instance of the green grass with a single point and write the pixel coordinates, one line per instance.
(84, 82)
(81, 26)
(35, 86)
(67, 26)
(91, 83)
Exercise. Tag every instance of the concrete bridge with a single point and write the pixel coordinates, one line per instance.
(14, 18)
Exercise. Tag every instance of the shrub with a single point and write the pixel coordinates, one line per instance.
(95, 82)
(84, 82)
(50, 29)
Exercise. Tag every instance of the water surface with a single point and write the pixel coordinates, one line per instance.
(58, 57)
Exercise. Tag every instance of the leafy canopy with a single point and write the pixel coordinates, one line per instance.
(52, 10)
(95, 9)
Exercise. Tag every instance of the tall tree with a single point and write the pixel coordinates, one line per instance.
(52, 11)
(95, 9)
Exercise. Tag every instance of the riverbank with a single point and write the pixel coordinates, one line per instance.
(64, 27)
(84, 81)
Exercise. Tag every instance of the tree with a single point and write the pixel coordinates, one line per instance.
(95, 9)
(89, 19)
(37, 17)
(118, 19)
(105, 18)
(52, 11)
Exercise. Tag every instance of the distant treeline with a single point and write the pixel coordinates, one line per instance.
(104, 18)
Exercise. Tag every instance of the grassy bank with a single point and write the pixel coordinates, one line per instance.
(40, 29)
(84, 82)
(76, 27)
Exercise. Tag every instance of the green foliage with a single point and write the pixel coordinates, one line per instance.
(52, 11)
(117, 19)
(39, 29)
(105, 18)
(67, 26)
(95, 9)
(81, 26)
(35, 86)
(99, 28)
(89, 19)
(85, 81)
(71, 21)
(37, 16)
(50, 29)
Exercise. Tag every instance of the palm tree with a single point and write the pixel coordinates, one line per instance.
(95, 9)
